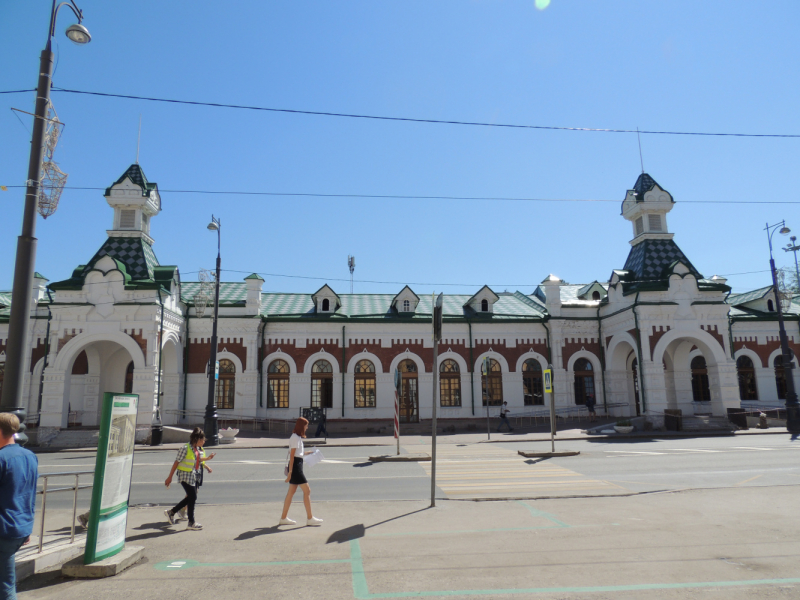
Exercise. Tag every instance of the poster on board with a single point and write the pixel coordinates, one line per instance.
(108, 517)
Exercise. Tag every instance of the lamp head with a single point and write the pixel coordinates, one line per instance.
(784, 230)
(78, 34)
(213, 226)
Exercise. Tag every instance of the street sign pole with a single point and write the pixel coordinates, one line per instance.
(436, 322)
(548, 389)
(485, 373)
(397, 383)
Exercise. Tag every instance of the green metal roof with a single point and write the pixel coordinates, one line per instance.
(229, 292)
(136, 175)
(744, 298)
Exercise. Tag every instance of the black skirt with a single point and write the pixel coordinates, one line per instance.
(297, 472)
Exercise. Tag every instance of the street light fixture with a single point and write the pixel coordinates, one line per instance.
(792, 405)
(210, 423)
(19, 318)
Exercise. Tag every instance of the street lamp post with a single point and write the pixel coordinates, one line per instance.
(793, 247)
(792, 406)
(210, 423)
(19, 318)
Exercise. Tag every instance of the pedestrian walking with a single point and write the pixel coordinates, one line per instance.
(189, 463)
(19, 470)
(295, 476)
(504, 410)
(590, 403)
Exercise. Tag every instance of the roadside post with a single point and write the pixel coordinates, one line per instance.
(486, 398)
(108, 516)
(548, 389)
(397, 383)
(436, 322)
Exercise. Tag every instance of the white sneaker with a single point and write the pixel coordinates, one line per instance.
(287, 522)
(314, 522)
(181, 515)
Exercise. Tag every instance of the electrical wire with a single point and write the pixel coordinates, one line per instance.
(412, 119)
(413, 197)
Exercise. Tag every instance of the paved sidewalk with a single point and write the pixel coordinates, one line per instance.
(537, 435)
(709, 543)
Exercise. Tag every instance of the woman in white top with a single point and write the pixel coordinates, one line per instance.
(295, 476)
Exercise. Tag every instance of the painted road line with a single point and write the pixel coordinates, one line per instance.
(754, 448)
(633, 452)
(747, 480)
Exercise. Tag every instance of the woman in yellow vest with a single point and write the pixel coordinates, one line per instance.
(189, 463)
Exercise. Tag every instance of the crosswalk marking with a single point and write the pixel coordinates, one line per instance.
(484, 472)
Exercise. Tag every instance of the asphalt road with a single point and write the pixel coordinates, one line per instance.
(479, 470)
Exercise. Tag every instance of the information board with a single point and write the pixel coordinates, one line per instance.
(108, 517)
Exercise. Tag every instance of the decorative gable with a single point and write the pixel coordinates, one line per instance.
(592, 291)
(406, 301)
(483, 301)
(325, 300)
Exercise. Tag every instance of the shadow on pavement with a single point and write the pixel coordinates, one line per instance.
(364, 464)
(355, 532)
(157, 530)
(249, 535)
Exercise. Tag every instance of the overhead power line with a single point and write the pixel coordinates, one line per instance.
(412, 197)
(411, 119)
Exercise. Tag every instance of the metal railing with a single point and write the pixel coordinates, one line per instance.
(578, 411)
(75, 487)
(254, 423)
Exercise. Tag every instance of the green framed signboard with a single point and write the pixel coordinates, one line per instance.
(108, 517)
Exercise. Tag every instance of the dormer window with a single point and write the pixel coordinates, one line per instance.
(326, 305)
(595, 295)
(484, 305)
(127, 219)
(654, 222)
(406, 306)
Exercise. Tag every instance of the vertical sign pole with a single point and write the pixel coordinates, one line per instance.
(548, 388)
(485, 373)
(436, 322)
(397, 384)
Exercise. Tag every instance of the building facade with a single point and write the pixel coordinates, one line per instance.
(654, 335)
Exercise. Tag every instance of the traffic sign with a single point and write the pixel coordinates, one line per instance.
(548, 381)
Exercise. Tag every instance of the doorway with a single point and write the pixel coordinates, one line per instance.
(409, 396)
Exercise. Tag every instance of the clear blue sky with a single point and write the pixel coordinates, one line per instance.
(712, 66)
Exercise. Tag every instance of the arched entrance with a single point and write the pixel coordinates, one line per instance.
(87, 367)
(700, 389)
(322, 384)
(409, 395)
(622, 376)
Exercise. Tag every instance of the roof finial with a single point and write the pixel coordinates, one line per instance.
(638, 137)
(139, 139)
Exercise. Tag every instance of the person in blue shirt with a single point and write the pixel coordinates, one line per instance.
(19, 470)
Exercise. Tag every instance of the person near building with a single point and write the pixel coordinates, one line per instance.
(295, 476)
(504, 410)
(590, 403)
(322, 426)
(19, 470)
(189, 464)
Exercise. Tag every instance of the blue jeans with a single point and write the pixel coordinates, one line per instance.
(504, 421)
(8, 568)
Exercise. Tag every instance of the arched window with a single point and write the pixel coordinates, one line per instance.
(484, 305)
(492, 384)
(747, 378)
(532, 382)
(449, 383)
(326, 305)
(364, 382)
(770, 306)
(700, 389)
(584, 380)
(406, 306)
(322, 384)
(278, 384)
(780, 377)
(226, 384)
(129, 379)
(595, 295)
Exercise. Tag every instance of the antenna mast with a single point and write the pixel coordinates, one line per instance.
(351, 264)
(139, 139)
(638, 137)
